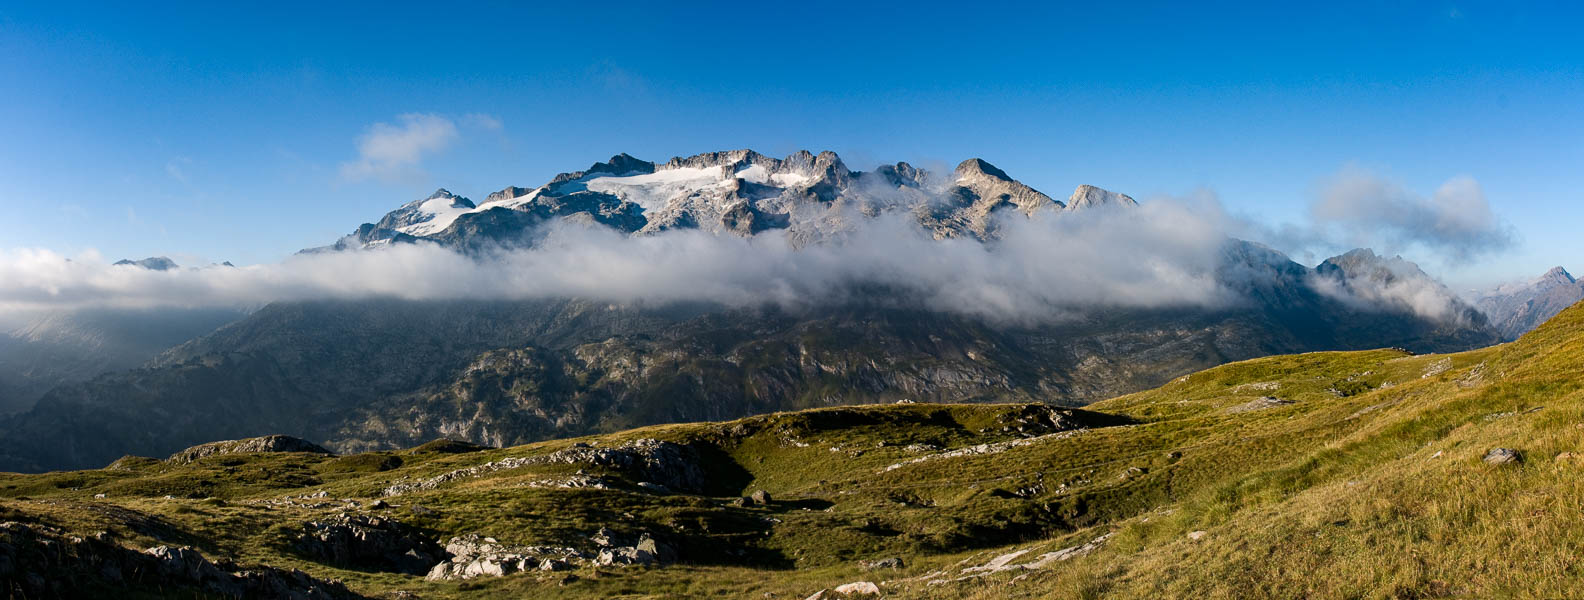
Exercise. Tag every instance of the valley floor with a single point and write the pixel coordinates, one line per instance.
(1373, 474)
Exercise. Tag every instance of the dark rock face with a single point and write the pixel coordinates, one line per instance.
(268, 443)
(365, 541)
(41, 562)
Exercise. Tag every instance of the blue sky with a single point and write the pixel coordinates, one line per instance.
(232, 133)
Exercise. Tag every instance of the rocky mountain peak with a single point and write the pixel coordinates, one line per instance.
(977, 168)
(623, 164)
(1557, 276)
(152, 263)
(508, 193)
(1088, 196)
(903, 174)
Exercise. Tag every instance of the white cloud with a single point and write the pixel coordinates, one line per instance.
(1162, 254)
(394, 152)
(1455, 223)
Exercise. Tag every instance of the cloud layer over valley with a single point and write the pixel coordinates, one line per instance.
(1162, 253)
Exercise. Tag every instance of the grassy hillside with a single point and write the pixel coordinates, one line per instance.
(1349, 475)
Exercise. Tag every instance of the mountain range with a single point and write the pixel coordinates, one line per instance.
(1515, 309)
(357, 375)
(1365, 474)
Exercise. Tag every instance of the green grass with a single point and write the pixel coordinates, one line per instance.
(1364, 480)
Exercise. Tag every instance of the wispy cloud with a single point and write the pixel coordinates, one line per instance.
(176, 168)
(395, 152)
(1455, 222)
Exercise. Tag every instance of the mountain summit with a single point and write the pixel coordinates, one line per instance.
(740, 192)
(1514, 309)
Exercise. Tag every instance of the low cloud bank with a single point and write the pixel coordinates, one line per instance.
(1159, 254)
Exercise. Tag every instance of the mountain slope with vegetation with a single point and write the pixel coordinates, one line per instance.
(1355, 474)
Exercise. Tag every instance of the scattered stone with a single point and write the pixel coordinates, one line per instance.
(379, 505)
(669, 464)
(1437, 454)
(1437, 368)
(99, 496)
(987, 448)
(857, 588)
(1261, 386)
(1257, 404)
(1502, 456)
(1197, 535)
(760, 498)
(820, 595)
(1566, 456)
(268, 443)
(883, 563)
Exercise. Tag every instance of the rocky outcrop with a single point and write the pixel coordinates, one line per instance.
(368, 542)
(37, 561)
(268, 443)
(647, 460)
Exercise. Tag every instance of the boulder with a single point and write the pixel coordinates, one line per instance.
(858, 588)
(1502, 456)
(760, 498)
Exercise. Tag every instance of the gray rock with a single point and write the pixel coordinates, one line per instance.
(1502, 456)
(882, 563)
(760, 498)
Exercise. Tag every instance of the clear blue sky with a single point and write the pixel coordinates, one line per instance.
(220, 132)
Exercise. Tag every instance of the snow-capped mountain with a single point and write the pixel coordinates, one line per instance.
(740, 192)
(1514, 309)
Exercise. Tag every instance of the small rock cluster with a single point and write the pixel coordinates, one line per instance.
(475, 556)
(368, 541)
(671, 465)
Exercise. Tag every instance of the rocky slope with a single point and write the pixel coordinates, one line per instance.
(1515, 309)
(1321, 475)
(359, 376)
